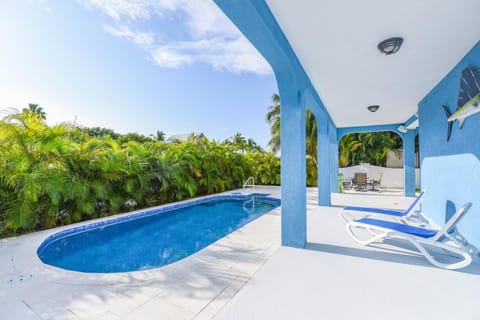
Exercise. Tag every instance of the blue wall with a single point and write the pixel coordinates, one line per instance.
(451, 170)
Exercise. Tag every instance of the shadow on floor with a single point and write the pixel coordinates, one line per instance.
(392, 255)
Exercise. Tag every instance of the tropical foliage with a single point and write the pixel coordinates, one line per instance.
(36, 109)
(55, 175)
(371, 147)
(354, 148)
(273, 119)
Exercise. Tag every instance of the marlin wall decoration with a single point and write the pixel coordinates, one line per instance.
(468, 102)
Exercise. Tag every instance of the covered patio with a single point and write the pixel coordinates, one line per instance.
(334, 278)
(327, 57)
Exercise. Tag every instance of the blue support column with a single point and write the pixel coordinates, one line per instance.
(293, 171)
(332, 132)
(323, 162)
(409, 163)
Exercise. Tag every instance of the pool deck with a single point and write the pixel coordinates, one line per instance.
(247, 275)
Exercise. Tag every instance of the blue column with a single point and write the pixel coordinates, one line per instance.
(409, 163)
(323, 162)
(332, 133)
(293, 170)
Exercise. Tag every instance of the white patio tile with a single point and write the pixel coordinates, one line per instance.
(210, 310)
(109, 316)
(12, 308)
(159, 309)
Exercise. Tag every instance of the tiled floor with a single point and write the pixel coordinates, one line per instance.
(334, 278)
(250, 276)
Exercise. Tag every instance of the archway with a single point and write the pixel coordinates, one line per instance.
(376, 153)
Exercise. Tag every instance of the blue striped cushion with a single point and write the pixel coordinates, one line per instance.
(375, 210)
(416, 231)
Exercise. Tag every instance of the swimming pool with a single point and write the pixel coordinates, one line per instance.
(152, 238)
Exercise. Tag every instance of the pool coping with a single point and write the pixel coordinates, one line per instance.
(221, 269)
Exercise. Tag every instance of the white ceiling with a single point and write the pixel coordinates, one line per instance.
(336, 42)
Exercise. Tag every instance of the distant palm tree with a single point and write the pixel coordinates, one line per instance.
(34, 108)
(253, 146)
(239, 142)
(273, 119)
(159, 136)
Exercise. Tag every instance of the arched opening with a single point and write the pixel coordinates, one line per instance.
(377, 156)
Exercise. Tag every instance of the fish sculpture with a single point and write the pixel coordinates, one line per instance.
(468, 102)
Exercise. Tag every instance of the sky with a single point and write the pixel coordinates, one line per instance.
(178, 66)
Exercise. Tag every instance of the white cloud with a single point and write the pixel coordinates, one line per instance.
(171, 56)
(236, 55)
(213, 39)
(143, 39)
(116, 9)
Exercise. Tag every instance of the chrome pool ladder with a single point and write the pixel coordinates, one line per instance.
(246, 206)
(250, 182)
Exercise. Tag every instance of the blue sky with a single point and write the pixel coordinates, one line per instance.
(134, 66)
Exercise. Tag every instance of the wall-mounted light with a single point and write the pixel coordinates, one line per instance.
(402, 129)
(390, 45)
(373, 107)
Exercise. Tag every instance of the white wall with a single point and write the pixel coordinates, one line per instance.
(394, 161)
(392, 177)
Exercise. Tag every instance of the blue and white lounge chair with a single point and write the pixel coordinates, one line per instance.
(444, 238)
(409, 216)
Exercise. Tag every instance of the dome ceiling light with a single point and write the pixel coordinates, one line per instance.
(373, 108)
(390, 46)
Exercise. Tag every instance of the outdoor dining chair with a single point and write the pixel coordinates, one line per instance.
(376, 181)
(361, 181)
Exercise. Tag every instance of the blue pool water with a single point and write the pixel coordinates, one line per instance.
(150, 239)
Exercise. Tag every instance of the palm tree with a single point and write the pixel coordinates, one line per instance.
(159, 136)
(253, 146)
(347, 148)
(34, 108)
(238, 142)
(273, 119)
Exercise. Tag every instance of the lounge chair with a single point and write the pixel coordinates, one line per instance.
(379, 230)
(409, 216)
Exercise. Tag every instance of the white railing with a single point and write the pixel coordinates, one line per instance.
(249, 203)
(250, 182)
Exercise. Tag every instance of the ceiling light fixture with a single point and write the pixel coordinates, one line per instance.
(373, 108)
(390, 45)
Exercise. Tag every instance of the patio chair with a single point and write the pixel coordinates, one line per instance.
(376, 181)
(409, 216)
(379, 230)
(361, 181)
(347, 183)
